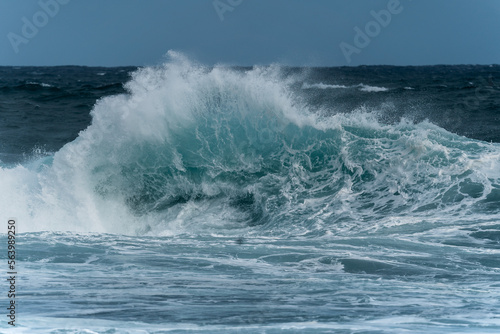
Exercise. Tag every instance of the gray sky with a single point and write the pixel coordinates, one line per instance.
(248, 32)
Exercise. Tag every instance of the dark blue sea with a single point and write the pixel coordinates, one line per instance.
(182, 198)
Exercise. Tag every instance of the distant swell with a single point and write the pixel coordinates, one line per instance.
(323, 86)
(367, 88)
(30, 86)
(360, 87)
(190, 149)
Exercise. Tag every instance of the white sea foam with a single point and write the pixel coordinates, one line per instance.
(41, 84)
(371, 89)
(361, 87)
(193, 149)
(323, 86)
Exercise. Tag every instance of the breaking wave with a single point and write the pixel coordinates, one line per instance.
(191, 149)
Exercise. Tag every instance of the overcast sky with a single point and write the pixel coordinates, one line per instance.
(248, 32)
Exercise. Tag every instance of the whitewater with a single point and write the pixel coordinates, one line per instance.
(218, 199)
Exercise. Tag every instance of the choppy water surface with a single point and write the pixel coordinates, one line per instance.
(253, 200)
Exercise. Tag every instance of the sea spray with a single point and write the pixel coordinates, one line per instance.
(241, 200)
(190, 148)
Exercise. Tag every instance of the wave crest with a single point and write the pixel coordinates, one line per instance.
(192, 149)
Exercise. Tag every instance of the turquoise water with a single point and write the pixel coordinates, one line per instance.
(221, 200)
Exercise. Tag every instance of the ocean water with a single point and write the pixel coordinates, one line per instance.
(183, 198)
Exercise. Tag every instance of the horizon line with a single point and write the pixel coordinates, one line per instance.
(264, 65)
